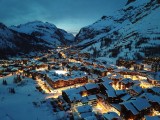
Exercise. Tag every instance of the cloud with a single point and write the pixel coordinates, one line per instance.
(68, 14)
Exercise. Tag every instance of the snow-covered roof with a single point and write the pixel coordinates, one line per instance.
(120, 92)
(126, 80)
(141, 103)
(90, 86)
(74, 90)
(92, 97)
(87, 114)
(90, 118)
(75, 97)
(84, 109)
(137, 89)
(156, 89)
(126, 97)
(107, 86)
(106, 79)
(111, 93)
(74, 74)
(152, 117)
(152, 98)
(129, 106)
(110, 115)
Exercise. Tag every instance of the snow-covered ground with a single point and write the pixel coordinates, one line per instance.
(130, 32)
(26, 104)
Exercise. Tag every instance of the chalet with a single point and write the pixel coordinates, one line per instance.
(154, 100)
(120, 92)
(135, 108)
(135, 90)
(73, 95)
(147, 67)
(92, 88)
(107, 90)
(154, 78)
(105, 86)
(90, 100)
(125, 83)
(137, 67)
(111, 96)
(115, 77)
(101, 71)
(108, 67)
(154, 90)
(66, 79)
(76, 96)
(103, 79)
(85, 111)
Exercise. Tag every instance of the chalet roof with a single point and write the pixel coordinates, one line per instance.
(92, 97)
(156, 89)
(152, 98)
(126, 81)
(110, 115)
(75, 97)
(141, 103)
(126, 97)
(137, 89)
(129, 106)
(74, 90)
(87, 115)
(107, 85)
(84, 99)
(152, 117)
(115, 76)
(120, 92)
(111, 93)
(90, 86)
(74, 74)
(84, 109)
(93, 117)
(116, 106)
(106, 79)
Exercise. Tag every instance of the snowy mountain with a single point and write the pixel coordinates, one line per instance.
(131, 33)
(46, 31)
(12, 42)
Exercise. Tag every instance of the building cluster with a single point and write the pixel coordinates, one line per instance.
(91, 90)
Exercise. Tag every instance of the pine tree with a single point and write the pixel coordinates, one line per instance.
(4, 82)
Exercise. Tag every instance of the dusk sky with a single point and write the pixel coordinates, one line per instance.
(70, 15)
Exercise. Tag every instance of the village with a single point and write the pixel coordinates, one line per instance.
(86, 89)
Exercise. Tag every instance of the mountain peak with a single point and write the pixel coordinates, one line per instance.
(46, 31)
(36, 23)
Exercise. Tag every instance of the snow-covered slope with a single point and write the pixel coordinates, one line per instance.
(26, 104)
(46, 31)
(12, 42)
(131, 33)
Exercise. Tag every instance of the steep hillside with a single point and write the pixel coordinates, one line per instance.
(46, 31)
(131, 33)
(12, 42)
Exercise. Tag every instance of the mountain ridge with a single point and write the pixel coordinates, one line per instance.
(131, 33)
(14, 42)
